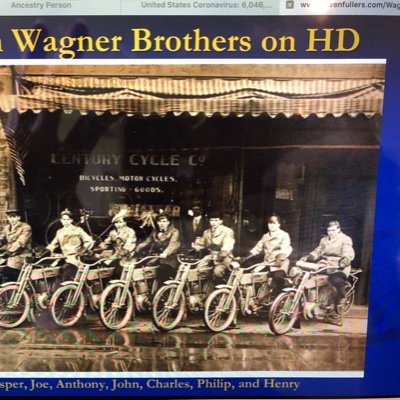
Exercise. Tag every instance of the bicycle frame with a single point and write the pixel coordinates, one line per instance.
(186, 274)
(130, 275)
(240, 281)
(83, 275)
(28, 274)
(311, 279)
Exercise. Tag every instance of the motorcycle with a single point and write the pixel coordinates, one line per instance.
(187, 291)
(249, 291)
(117, 301)
(31, 292)
(68, 302)
(311, 296)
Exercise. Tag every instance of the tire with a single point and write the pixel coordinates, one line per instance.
(63, 314)
(164, 317)
(279, 319)
(13, 317)
(349, 299)
(111, 316)
(218, 312)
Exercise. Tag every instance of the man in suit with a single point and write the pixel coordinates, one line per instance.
(122, 239)
(73, 241)
(195, 225)
(335, 249)
(220, 239)
(16, 241)
(276, 248)
(165, 242)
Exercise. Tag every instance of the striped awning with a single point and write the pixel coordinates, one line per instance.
(194, 95)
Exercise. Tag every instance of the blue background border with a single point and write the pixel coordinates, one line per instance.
(379, 40)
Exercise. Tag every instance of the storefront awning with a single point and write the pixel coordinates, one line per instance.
(162, 95)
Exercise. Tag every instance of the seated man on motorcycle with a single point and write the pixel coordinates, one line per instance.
(164, 242)
(16, 242)
(123, 241)
(336, 250)
(220, 239)
(73, 241)
(275, 244)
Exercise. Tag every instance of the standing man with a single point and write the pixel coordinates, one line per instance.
(195, 225)
(218, 238)
(335, 249)
(165, 242)
(275, 244)
(16, 240)
(73, 241)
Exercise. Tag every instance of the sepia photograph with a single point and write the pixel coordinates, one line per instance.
(181, 218)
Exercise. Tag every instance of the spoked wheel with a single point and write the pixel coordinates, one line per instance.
(114, 313)
(167, 314)
(219, 310)
(283, 314)
(349, 299)
(64, 310)
(13, 313)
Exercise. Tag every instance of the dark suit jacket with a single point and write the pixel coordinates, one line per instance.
(190, 233)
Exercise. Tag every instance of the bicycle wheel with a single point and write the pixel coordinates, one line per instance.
(165, 314)
(282, 315)
(12, 315)
(51, 230)
(64, 311)
(349, 299)
(219, 310)
(113, 314)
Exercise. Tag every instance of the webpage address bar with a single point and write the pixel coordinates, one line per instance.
(340, 7)
(198, 7)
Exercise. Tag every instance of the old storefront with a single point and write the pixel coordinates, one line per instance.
(298, 140)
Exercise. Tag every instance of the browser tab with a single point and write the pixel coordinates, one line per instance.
(61, 7)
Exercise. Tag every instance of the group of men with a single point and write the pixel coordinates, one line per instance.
(335, 249)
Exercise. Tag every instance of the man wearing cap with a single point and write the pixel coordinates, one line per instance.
(195, 225)
(276, 248)
(220, 239)
(336, 250)
(16, 240)
(165, 242)
(73, 241)
(122, 239)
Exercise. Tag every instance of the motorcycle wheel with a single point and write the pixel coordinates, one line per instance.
(349, 299)
(10, 317)
(165, 316)
(280, 320)
(219, 310)
(114, 315)
(63, 312)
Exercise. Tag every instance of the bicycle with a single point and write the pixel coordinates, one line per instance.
(251, 292)
(311, 296)
(31, 292)
(187, 291)
(117, 301)
(68, 302)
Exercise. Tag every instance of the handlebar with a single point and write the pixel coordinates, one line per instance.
(146, 258)
(315, 268)
(237, 260)
(99, 261)
(48, 258)
(186, 260)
